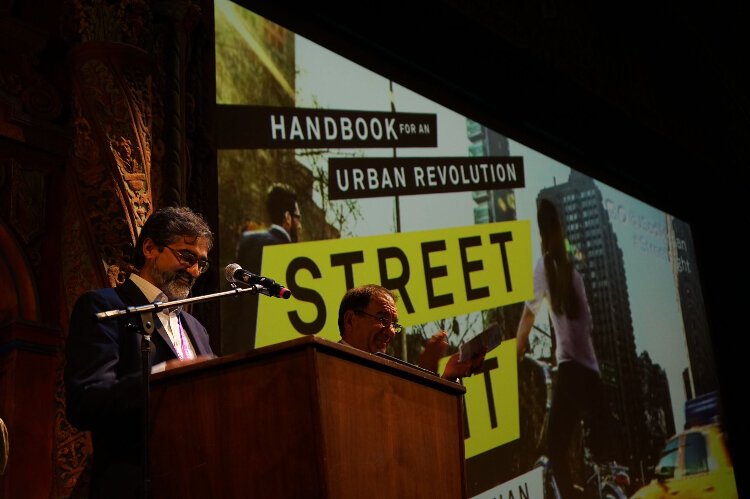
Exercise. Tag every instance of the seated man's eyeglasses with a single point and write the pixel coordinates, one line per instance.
(395, 326)
(189, 259)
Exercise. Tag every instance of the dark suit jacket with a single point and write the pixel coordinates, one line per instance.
(103, 382)
(249, 256)
(250, 246)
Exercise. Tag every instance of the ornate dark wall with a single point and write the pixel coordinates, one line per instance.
(104, 116)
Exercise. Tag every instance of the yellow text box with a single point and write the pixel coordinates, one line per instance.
(491, 401)
(436, 274)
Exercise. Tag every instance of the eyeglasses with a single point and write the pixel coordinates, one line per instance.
(395, 326)
(188, 258)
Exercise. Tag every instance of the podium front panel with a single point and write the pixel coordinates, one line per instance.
(387, 436)
(306, 418)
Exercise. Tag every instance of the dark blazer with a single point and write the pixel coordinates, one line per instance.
(103, 382)
(249, 257)
(250, 246)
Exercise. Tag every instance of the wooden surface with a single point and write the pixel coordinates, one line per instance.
(306, 418)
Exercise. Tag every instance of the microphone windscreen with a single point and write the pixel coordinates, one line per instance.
(229, 271)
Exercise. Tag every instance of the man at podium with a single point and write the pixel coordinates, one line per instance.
(103, 373)
(368, 320)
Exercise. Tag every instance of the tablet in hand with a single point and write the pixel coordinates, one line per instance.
(481, 343)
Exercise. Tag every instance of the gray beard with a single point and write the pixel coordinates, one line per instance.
(167, 282)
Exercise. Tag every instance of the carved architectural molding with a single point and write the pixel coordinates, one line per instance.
(31, 104)
(183, 45)
(130, 114)
(112, 148)
(23, 199)
(26, 199)
(72, 448)
(109, 176)
(18, 294)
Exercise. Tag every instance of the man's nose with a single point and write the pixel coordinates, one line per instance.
(193, 270)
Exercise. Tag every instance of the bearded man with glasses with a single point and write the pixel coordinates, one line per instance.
(103, 378)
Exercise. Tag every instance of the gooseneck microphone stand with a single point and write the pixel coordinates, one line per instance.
(146, 328)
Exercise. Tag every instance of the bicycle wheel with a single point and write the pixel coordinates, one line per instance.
(611, 492)
(551, 491)
(549, 484)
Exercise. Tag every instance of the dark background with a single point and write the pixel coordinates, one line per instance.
(649, 97)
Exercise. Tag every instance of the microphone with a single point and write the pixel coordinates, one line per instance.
(269, 287)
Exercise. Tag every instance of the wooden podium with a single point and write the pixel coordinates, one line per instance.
(306, 418)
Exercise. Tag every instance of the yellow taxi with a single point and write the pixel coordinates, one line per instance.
(694, 463)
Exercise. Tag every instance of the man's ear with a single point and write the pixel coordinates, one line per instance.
(287, 222)
(348, 318)
(149, 248)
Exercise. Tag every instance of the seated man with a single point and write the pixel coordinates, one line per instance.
(368, 321)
